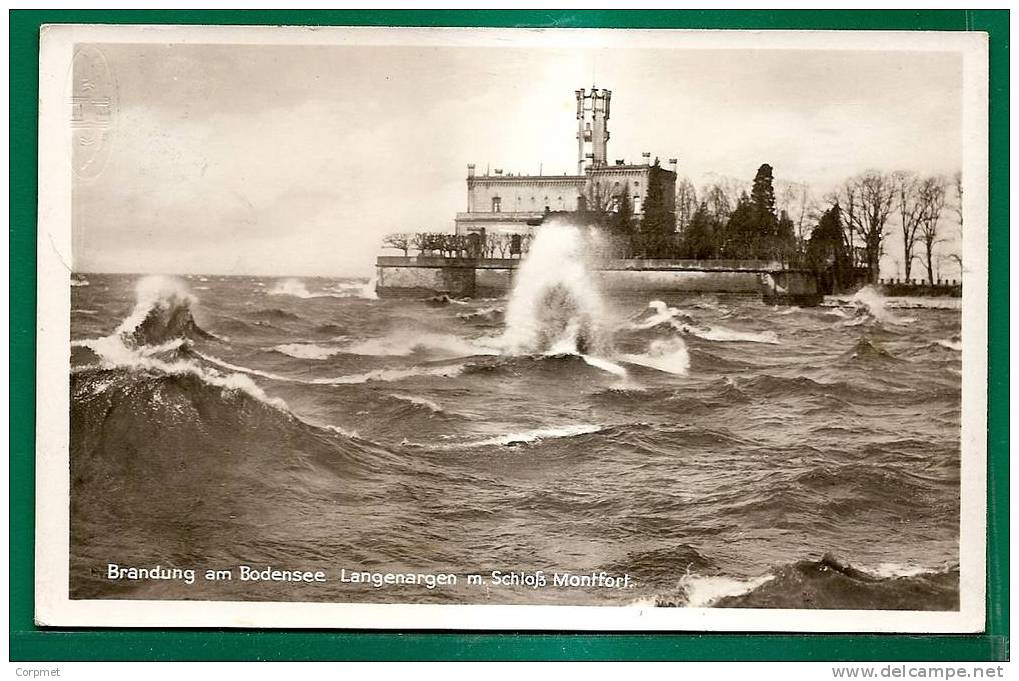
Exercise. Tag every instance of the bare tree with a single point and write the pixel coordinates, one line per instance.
(686, 203)
(785, 195)
(599, 198)
(488, 246)
(732, 186)
(501, 243)
(796, 199)
(910, 207)
(399, 241)
(957, 184)
(866, 202)
(718, 202)
(423, 242)
(932, 196)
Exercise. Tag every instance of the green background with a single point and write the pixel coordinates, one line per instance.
(30, 644)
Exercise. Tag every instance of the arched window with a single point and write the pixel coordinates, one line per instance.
(496, 204)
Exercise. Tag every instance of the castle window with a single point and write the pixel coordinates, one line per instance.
(496, 204)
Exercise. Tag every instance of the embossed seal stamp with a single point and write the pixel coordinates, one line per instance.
(93, 111)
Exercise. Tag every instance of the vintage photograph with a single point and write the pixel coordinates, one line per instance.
(642, 322)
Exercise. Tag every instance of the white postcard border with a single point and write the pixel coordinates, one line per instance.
(53, 606)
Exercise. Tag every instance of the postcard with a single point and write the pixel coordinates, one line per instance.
(512, 329)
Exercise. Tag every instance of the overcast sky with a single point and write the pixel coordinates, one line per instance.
(288, 160)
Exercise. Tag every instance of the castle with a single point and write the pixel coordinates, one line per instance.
(504, 203)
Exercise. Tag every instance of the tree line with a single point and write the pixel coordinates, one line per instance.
(843, 236)
(460, 245)
(728, 222)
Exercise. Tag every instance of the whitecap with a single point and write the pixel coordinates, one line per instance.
(380, 375)
(290, 287)
(896, 570)
(704, 590)
(297, 289)
(114, 353)
(663, 314)
(538, 434)
(306, 350)
(390, 375)
(409, 342)
(245, 370)
(420, 401)
(669, 355)
(604, 365)
(722, 335)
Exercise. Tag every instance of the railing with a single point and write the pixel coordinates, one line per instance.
(617, 264)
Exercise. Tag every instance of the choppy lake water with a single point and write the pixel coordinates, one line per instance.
(713, 449)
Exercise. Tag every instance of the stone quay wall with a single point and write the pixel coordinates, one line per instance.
(419, 276)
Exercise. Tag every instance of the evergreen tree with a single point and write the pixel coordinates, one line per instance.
(763, 192)
(827, 253)
(740, 240)
(786, 238)
(658, 226)
(699, 237)
(765, 243)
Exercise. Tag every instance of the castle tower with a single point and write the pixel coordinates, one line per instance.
(592, 127)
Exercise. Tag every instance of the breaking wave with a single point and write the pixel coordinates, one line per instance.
(828, 583)
(156, 337)
(870, 303)
(668, 354)
(555, 305)
(537, 435)
(682, 321)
